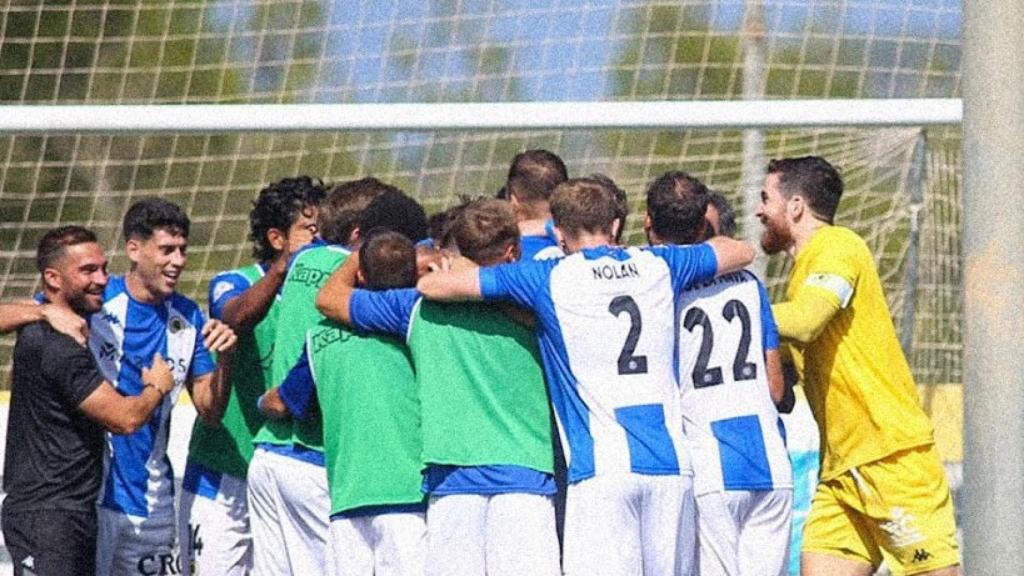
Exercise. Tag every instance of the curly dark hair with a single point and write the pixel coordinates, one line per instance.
(279, 205)
(148, 215)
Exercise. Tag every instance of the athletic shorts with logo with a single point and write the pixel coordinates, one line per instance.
(896, 509)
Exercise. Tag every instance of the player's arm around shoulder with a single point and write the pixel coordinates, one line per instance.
(731, 254)
(460, 282)
(14, 315)
(210, 390)
(827, 288)
(243, 310)
(335, 297)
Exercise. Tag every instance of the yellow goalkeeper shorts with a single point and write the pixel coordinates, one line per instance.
(897, 509)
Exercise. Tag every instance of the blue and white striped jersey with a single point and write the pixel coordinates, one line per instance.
(731, 424)
(124, 336)
(607, 335)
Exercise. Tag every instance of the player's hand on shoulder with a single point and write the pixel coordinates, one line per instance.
(462, 263)
(428, 259)
(441, 261)
(159, 375)
(66, 321)
(218, 336)
(279, 264)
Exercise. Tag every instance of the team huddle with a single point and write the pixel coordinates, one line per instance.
(500, 389)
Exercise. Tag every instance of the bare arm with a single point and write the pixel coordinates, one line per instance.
(336, 294)
(732, 254)
(210, 391)
(126, 414)
(457, 284)
(14, 315)
(244, 312)
(776, 384)
(272, 406)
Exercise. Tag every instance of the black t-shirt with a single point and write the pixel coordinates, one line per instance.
(54, 451)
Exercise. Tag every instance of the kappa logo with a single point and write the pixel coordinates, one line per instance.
(306, 275)
(108, 351)
(111, 319)
(325, 338)
(920, 555)
(902, 529)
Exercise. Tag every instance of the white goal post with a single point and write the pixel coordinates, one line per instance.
(237, 118)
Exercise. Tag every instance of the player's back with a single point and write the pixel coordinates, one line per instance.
(371, 414)
(607, 341)
(732, 425)
(309, 270)
(486, 404)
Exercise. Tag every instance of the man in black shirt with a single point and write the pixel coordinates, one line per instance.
(60, 406)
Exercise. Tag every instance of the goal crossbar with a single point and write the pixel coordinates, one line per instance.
(239, 118)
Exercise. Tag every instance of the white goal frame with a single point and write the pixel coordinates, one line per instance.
(238, 118)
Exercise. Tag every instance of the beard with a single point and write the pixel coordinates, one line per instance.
(775, 238)
(85, 303)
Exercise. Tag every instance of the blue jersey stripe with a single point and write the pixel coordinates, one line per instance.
(744, 458)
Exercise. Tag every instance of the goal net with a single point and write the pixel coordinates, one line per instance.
(332, 51)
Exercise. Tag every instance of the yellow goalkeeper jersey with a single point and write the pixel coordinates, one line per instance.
(857, 380)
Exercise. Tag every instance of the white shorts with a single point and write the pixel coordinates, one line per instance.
(213, 526)
(745, 533)
(630, 524)
(380, 545)
(133, 545)
(289, 509)
(497, 535)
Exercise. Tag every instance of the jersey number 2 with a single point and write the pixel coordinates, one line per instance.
(741, 368)
(628, 363)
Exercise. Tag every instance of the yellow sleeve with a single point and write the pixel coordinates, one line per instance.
(804, 317)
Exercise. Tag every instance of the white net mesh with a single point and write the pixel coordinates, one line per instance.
(95, 51)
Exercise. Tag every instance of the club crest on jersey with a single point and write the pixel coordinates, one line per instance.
(176, 325)
(615, 271)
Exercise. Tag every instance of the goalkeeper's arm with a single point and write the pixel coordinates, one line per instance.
(804, 318)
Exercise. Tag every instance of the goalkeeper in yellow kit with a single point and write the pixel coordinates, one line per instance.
(882, 492)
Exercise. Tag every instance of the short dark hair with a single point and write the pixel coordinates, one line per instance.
(53, 244)
(726, 213)
(533, 197)
(484, 229)
(343, 206)
(621, 202)
(541, 167)
(387, 259)
(584, 205)
(813, 178)
(148, 215)
(440, 225)
(394, 210)
(676, 203)
(279, 205)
